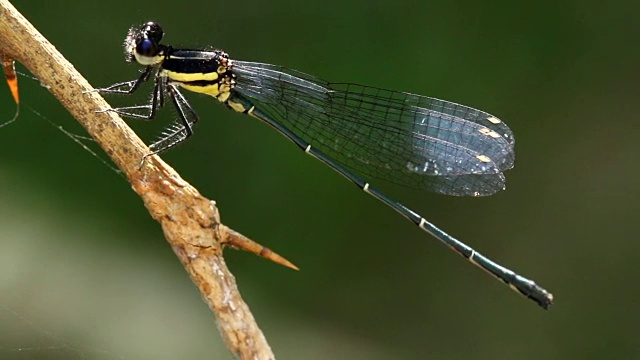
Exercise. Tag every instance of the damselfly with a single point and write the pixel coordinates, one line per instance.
(411, 140)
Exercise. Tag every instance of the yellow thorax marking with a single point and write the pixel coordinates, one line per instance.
(186, 77)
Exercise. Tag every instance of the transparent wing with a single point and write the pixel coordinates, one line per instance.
(408, 139)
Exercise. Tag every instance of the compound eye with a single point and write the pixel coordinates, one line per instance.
(147, 47)
(153, 31)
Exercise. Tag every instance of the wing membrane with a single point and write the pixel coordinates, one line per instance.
(408, 139)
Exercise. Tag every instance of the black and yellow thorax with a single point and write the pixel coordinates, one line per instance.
(206, 72)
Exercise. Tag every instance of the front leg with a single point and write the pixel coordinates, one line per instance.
(126, 87)
(144, 112)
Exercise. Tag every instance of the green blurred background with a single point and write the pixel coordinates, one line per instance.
(85, 273)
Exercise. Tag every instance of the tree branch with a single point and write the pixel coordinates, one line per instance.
(190, 222)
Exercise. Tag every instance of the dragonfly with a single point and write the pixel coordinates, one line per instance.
(362, 132)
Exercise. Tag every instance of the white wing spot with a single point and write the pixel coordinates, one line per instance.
(489, 132)
(494, 120)
(483, 158)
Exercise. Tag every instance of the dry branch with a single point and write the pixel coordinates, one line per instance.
(190, 222)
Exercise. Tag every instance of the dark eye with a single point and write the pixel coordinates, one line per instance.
(147, 47)
(153, 31)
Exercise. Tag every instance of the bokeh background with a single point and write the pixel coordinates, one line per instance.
(85, 273)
